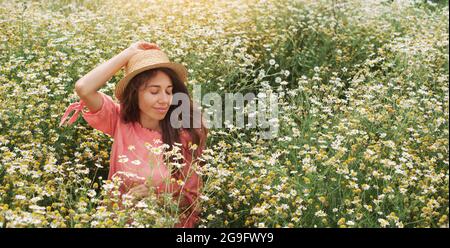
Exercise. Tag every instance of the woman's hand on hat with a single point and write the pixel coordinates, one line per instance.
(141, 46)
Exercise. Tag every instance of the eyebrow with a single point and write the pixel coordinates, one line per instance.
(159, 86)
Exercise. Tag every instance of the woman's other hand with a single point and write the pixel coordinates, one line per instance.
(139, 192)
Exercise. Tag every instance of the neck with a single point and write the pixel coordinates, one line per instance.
(150, 124)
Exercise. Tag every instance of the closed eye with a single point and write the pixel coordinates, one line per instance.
(157, 87)
(156, 92)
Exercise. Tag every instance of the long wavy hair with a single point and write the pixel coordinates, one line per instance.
(130, 112)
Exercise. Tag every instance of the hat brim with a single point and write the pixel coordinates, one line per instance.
(179, 69)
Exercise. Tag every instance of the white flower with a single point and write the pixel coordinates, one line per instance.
(261, 95)
(261, 74)
(257, 210)
(210, 217)
(131, 148)
(37, 208)
(271, 61)
(127, 197)
(20, 197)
(35, 199)
(136, 162)
(129, 175)
(180, 182)
(164, 146)
(50, 168)
(148, 146)
(123, 159)
(204, 197)
(141, 204)
(350, 223)
(389, 143)
(399, 224)
(156, 150)
(383, 222)
(365, 187)
(91, 193)
(277, 80)
(193, 146)
(320, 213)
(178, 165)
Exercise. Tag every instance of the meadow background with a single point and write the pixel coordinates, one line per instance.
(363, 110)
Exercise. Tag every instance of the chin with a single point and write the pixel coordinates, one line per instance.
(159, 117)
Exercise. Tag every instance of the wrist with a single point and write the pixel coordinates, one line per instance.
(127, 53)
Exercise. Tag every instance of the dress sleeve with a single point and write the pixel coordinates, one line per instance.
(105, 119)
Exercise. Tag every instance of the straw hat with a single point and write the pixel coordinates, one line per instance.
(146, 60)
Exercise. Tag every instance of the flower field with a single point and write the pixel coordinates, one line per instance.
(363, 111)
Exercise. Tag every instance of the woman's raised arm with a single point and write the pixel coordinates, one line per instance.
(87, 86)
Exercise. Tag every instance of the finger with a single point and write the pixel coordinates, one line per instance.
(141, 193)
(152, 45)
(136, 197)
(132, 196)
(141, 190)
(132, 191)
(138, 188)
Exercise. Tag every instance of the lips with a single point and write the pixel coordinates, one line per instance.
(161, 110)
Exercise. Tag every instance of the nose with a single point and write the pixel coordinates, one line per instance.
(165, 99)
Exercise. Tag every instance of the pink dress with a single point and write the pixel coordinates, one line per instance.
(132, 161)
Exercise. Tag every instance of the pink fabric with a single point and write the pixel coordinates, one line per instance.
(130, 156)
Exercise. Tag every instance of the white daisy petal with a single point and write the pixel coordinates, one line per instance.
(136, 162)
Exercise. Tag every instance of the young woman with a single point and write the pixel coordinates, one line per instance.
(141, 121)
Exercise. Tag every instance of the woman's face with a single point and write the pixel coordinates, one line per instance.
(155, 99)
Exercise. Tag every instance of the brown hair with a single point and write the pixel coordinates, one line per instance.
(130, 111)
